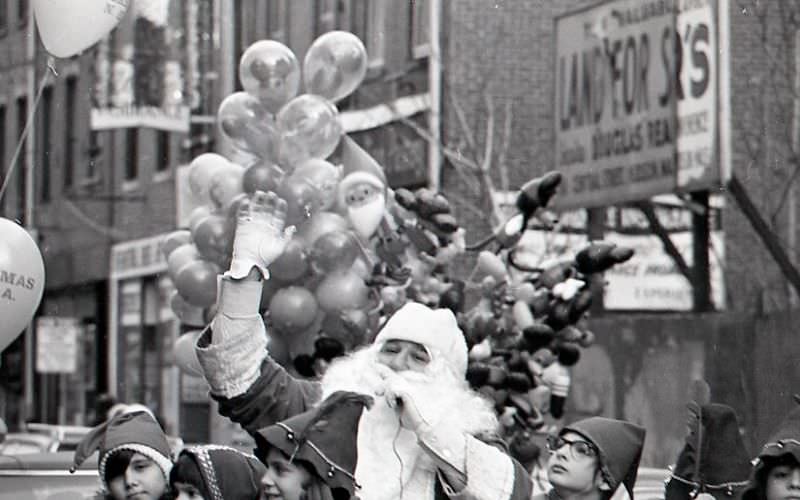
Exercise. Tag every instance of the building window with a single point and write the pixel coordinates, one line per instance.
(71, 97)
(3, 17)
(94, 153)
(131, 153)
(240, 39)
(420, 28)
(22, 12)
(46, 119)
(367, 21)
(162, 151)
(277, 20)
(22, 159)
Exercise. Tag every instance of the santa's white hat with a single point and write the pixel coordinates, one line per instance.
(435, 329)
(358, 167)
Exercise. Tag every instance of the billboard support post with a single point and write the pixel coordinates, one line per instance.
(701, 266)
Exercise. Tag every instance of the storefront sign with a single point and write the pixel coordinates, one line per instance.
(57, 344)
(636, 101)
(138, 257)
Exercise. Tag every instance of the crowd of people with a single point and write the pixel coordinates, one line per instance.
(397, 419)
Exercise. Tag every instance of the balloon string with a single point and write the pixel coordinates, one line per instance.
(28, 123)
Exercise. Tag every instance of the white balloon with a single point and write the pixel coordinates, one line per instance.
(185, 356)
(21, 280)
(68, 27)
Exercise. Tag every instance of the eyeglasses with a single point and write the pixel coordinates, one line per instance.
(578, 449)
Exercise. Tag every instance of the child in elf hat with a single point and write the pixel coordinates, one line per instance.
(212, 472)
(313, 455)
(591, 458)
(714, 461)
(776, 473)
(134, 457)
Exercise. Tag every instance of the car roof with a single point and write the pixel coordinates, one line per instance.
(60, 460)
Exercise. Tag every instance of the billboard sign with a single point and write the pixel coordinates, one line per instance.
(636, 101)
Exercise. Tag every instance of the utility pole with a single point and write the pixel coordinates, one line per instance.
(30, 192)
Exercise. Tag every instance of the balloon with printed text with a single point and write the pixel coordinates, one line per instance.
(21, 280)
(68, 27)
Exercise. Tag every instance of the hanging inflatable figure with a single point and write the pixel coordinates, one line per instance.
(531, 202)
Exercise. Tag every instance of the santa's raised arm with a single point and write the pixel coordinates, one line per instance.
(427, 435)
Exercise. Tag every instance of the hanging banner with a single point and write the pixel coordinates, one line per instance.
(636, 101)
(142, 70)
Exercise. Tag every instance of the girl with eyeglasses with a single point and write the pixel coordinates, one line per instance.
(591, 458)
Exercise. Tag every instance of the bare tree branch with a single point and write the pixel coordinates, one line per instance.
(489, 142)
(466, 130)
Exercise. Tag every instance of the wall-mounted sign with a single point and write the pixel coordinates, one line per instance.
(57, 344)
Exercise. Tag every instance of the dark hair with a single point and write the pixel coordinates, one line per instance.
(117, 463)
(187, 470)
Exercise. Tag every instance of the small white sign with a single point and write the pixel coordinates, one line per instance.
(57, 344)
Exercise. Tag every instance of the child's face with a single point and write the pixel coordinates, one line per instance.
(186, 491)
(783, 483)
(142, 480)
(573, 465)
(283, 480)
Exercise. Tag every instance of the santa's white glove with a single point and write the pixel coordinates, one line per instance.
(260, 235)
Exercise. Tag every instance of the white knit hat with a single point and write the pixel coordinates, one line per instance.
(436, 329)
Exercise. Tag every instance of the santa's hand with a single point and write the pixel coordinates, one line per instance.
(398, 396)
(260, 234)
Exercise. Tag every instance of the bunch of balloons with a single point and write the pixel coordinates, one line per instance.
(320, 282)
(526, 332)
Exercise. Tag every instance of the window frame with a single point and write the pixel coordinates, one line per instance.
(46, 139)
(420, 46)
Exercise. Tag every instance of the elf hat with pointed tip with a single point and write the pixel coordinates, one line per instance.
(323, 438)
(135, 431)
(714, 459)
(783, 446)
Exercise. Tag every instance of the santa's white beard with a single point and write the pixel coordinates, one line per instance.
(367, 216)
(388, 454)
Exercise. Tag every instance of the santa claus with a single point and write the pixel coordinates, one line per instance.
(427, 436)
(361, 194)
